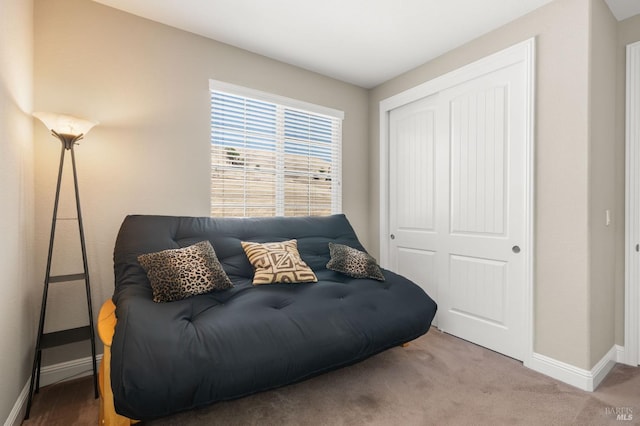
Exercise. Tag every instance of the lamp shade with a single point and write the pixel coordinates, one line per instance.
(65, 124)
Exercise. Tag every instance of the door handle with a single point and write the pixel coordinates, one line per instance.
(515, 249)
(393, 237)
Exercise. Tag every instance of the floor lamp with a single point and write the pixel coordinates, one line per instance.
(69, 130)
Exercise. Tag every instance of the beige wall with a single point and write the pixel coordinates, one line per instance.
(629, 30)
(17, 314)
(147, 84)
(562, 310)
(603, 163)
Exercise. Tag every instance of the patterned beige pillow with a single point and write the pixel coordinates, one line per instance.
(278, 263)
(176, 274)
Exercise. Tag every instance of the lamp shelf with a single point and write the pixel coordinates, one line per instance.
(67, 278)
(64, 337)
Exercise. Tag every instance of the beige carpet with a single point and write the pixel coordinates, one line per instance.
(437, 380)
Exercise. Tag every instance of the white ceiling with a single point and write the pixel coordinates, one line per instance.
(364, 42)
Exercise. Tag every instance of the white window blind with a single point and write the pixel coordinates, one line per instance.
(273, 156)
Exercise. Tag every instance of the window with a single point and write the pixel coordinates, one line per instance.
(273, 156)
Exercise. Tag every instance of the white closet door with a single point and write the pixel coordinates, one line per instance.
(413, 193)
(457, 203)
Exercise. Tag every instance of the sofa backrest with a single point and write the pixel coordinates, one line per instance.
(141, 234)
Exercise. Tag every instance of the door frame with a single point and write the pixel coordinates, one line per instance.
(631, 355)
(523, 52)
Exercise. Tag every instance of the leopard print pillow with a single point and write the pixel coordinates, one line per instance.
(352, 262)
(176, 274)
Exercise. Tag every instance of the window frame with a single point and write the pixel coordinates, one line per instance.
(283, 103)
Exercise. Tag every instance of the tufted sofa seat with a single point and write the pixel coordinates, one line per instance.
(170, 357)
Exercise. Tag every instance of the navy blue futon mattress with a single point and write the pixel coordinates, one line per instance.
(171, 357)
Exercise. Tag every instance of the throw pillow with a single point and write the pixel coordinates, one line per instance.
(278, 263)
(176, 274)
(353, 262)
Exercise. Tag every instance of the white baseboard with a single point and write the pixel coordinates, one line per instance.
(600, 371)
(17, 413)
(587, 380)
(67, 370)
(51, 374)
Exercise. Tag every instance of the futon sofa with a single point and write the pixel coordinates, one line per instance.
(164, 357)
